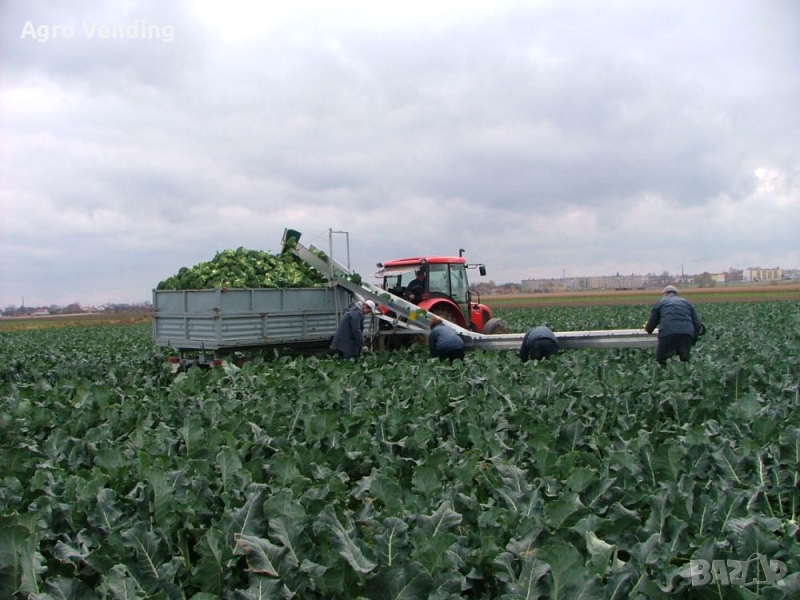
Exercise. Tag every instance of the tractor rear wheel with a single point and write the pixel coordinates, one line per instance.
(443, 311)
(446, 312)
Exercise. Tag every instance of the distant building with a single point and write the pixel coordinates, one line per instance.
(550, 285)
(576, 284)
(621, 282)
(718, 278)
(759, 274)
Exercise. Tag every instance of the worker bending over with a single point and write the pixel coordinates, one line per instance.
(539, 343)
(444, 342)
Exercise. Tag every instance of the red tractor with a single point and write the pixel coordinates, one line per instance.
(439, 284)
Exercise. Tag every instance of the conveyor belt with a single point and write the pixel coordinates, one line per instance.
(417, 320)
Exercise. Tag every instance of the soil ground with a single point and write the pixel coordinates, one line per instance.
(730, 293)
(78, 320)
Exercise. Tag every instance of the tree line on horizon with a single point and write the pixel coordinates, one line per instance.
(76, 308)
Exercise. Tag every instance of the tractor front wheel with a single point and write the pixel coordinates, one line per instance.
(495, 326)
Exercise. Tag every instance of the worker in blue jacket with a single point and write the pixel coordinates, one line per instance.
(539, 343)
(678, 325)
(349, 339)
(444, 342)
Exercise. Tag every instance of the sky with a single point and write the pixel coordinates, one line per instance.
(545, 138)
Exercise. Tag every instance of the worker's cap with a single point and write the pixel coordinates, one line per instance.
(670, 289)
(371, 305)
(419, 272)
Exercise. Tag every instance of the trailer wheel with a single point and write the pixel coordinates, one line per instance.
(495, 326)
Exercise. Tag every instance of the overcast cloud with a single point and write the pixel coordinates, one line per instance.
(543, 137)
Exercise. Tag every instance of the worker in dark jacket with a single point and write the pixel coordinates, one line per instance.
(349, 339)
(444, 342)
(539, 343)
(678, 325)
(415, 290)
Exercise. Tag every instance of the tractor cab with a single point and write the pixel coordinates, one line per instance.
(440, 285)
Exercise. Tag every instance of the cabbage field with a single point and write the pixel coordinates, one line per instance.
(595, 474)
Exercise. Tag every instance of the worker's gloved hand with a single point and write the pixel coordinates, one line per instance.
(644, 326)
(364, 349)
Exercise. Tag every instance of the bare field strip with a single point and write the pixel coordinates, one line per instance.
(739, 293)
(743, 293)
(78, 320)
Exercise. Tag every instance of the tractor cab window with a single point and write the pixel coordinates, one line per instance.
(442, 278)
(396, 283)
(459, 284)
(438, 281)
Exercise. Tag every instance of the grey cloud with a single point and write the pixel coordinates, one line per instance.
(486, 129)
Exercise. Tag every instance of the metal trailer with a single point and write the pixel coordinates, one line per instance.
(203, 326)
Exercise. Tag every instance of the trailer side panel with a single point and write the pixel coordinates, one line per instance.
(242, 318)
